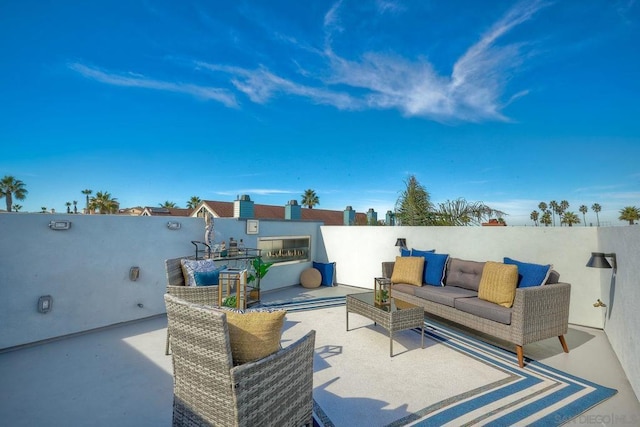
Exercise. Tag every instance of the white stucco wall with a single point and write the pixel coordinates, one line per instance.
(85, 269)
(621, 293)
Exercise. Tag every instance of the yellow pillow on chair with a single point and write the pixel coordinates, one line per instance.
(254, 334)
(498, 283)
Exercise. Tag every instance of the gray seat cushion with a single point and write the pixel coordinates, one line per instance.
(464, 274)
(404, 288)
(484, 309)
(444, 295)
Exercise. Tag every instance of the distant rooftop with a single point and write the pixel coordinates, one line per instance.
(226, 210)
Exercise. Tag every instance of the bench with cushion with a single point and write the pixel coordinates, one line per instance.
(466, 292)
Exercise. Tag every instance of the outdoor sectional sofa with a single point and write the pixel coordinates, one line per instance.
(450, 290)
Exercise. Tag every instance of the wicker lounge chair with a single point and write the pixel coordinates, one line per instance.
(209, 390)
(205, 295)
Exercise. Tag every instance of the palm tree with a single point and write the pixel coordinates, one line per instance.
(546, 218)
(168, 204)
(103, 202)
(562, 208)
(75, 206)
(570, 218)
(43, 209)
(596, 208)
(462, 212)
(554, 209)
(534, 217)
(584, 209)
(309, 199)
(629, 213)
(87, 193)
(16, 208)
(68, 205)
(542, 206)
(10, 188)
(193, 202)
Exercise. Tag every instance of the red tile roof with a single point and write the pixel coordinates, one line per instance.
(328, 217)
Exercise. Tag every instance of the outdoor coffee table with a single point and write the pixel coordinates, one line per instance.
(390, 316)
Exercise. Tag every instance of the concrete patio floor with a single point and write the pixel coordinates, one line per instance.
(120, 376)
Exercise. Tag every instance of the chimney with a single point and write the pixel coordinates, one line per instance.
(243, 207)
(390, 218)
(349, 217)
(372, 217)
(293, 210)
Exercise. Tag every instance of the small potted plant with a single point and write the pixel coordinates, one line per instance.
(258, 270)
(230, 301)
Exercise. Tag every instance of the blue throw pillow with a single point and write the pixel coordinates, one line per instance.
(327, 271)
(208, 278)
(434, 266)
(418, 252)
(405, 252)
(530, 274)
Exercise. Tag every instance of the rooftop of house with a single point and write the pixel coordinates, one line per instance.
(220, 209)
(328, 217)
(120, 375)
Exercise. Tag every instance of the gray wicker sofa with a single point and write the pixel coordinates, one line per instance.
(538, 312)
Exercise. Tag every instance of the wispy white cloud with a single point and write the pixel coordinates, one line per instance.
(136, 80)
(261, 85)
(331, 18)
(473, 91)
(389, 6)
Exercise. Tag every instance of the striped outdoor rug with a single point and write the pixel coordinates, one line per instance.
(535, 396)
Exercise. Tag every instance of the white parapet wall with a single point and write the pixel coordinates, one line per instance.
(620, 290)
(85, 270)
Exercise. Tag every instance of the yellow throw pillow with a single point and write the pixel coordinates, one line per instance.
(254, 334)
(408, 269)
(498, 283)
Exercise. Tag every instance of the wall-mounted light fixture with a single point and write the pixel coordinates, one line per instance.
(599, 260)
(45, 303)
(401, 242)
(60, 224)
(174, 225)
(134, 273)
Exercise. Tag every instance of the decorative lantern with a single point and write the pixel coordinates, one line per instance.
(382, 291)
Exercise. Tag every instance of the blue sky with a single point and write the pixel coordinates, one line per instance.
(508, 103)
